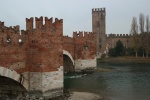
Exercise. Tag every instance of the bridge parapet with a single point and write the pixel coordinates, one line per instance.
(85, 50)
(48, 27)
(86, 35)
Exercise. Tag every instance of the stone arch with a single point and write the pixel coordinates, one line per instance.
(69, 55)
(12, 74)
(68, 62)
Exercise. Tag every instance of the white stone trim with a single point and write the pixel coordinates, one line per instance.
(81, 64)
(69, 55)
(49, 83)
(12, 74)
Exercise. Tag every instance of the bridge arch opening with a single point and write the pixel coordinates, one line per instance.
(12, 84)
(68, 62)
(11, 89)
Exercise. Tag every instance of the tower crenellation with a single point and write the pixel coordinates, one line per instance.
(48, 22)
(58, 23)
(39, 22)
(118, 35)
(29, 23)
(98, 10)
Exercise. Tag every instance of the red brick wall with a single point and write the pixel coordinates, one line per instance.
(68, 45)
(85, 45)
(41, 48)
(45, 46)
(11, 51)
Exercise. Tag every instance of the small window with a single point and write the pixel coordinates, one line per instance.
(101, 16)
(100, 46)
(127, 41)
(100, 40)
(98, 24)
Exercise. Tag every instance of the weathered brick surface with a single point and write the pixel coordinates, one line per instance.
(85, 45)
(37, 53)
(82, 47)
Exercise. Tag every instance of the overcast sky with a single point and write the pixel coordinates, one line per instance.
(76, 14)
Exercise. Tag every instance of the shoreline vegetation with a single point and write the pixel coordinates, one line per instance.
(124, 60)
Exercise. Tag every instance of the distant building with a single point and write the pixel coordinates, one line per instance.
(98, 27)
(105, 42)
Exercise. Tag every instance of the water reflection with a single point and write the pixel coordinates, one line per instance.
(128, 82)
(87, 83)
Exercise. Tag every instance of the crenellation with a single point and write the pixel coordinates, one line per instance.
(48, 22)
(104, 9)
(58, 23)
(10, 27)
(29, 19)
(75, 34)
(80, 34)
(84, 34)
(29, 23)
(118, 35)
(23, 32)
(17, 27)
(98, 10)
(1, 24)
(39, 22)
(127, 35)
(56, 20)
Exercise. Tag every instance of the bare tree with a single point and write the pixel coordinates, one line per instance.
(134, 32)
(141, 22)
(147, 24)
(147, 38)
(141, 28)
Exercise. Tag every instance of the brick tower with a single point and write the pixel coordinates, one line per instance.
(98, 27)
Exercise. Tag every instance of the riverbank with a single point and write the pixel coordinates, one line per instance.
(79, 96)
(84, 96)
(129, 60)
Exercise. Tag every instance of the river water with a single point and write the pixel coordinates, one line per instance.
(127, 82)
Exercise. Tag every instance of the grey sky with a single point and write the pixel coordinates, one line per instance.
(76, 14)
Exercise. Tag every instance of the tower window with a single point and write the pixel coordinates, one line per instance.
(100, 46)
(100, 40)
(101, 16)
(98, 23)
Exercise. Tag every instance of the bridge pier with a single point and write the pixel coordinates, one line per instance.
(45, 84)
(87, 65)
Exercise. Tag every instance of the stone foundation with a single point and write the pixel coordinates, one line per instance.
(81, 65)
(46, 84)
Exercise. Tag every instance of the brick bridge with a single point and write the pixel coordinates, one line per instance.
(34, 60)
